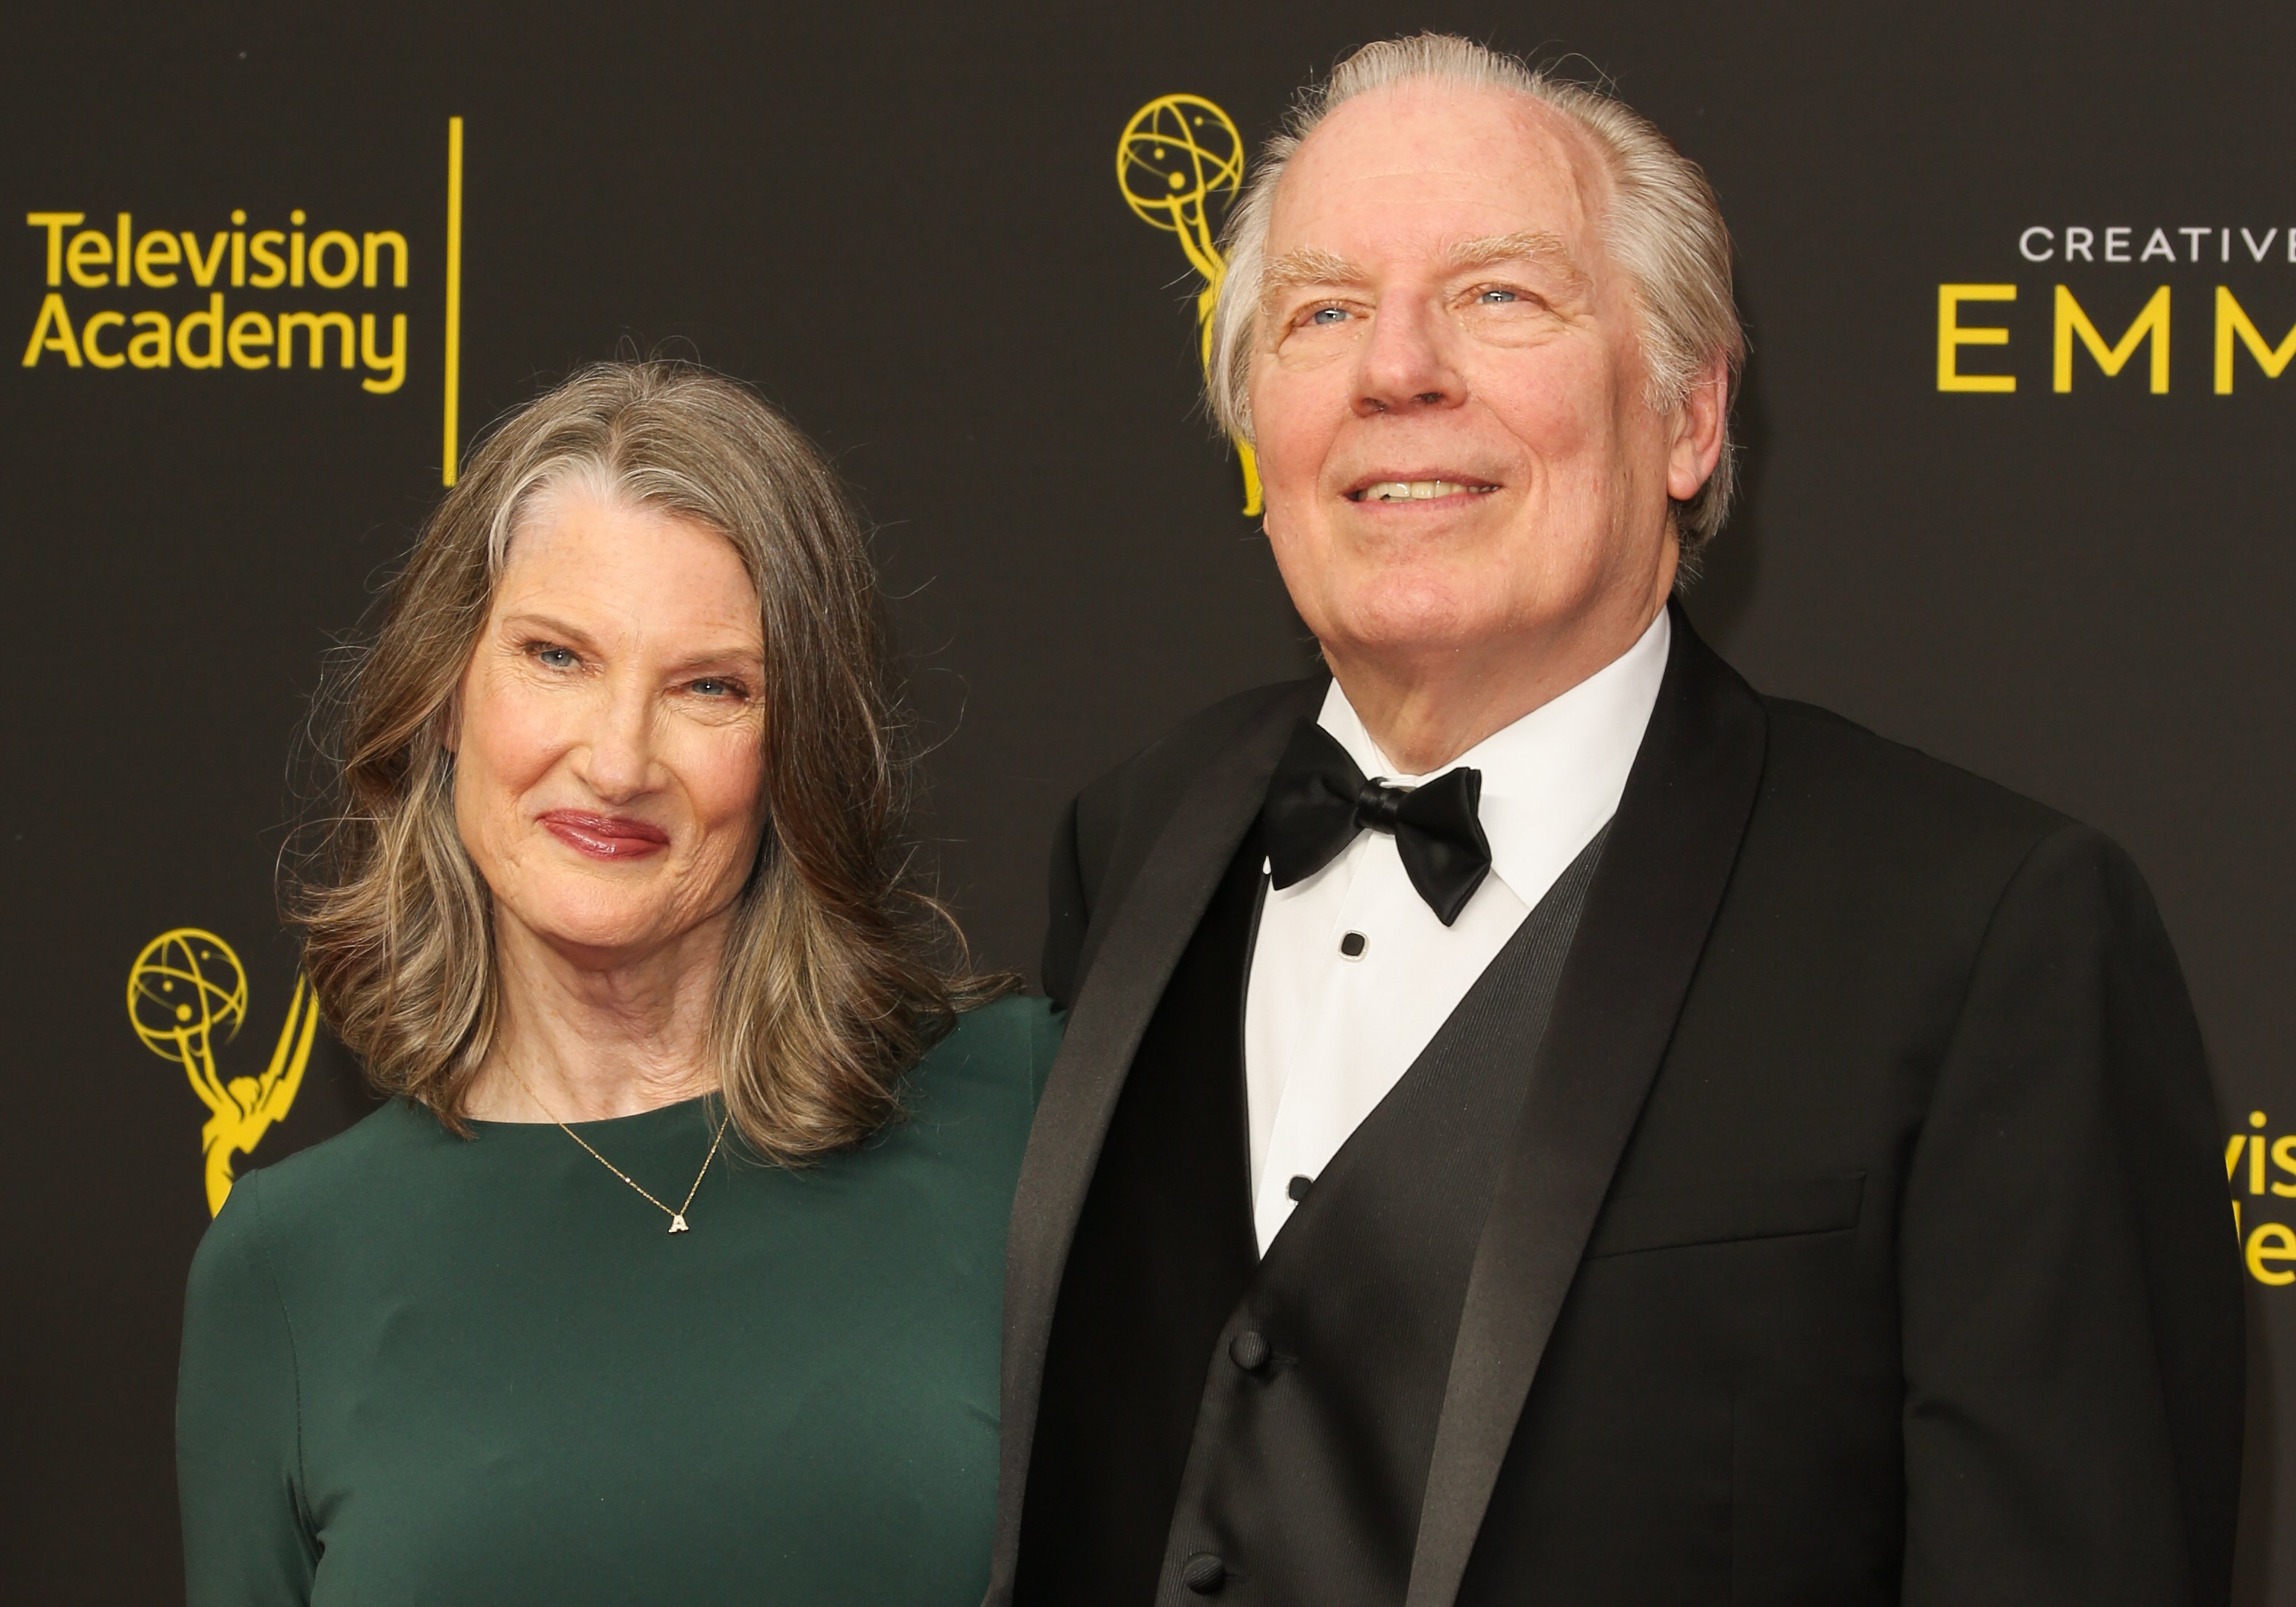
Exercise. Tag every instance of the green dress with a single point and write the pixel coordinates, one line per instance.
(422, 1369)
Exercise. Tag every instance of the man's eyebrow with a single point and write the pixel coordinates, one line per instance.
(1527, 245)
(1309, 264)
(1312, 265)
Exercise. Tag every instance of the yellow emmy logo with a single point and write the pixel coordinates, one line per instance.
(1176, 153)
(184, 988)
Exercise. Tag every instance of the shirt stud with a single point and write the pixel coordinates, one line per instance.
(1352, 946)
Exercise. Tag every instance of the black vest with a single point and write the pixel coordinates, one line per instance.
(1212, 1420)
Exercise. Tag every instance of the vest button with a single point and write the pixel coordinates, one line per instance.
(1203, 1573)
(1249, 1350)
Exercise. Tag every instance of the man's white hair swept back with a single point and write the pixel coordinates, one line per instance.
(1662, 227)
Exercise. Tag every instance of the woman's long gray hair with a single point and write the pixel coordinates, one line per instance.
(837, 973)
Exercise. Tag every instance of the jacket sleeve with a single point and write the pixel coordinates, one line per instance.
(238, 1458)
(2071, 1297)
(1070, 915)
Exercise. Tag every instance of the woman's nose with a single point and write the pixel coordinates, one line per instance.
(620, 757)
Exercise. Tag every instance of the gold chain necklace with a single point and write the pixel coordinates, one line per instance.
(676, 1218)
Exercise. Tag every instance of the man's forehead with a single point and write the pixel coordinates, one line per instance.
(1514, 162)
(1540, 249)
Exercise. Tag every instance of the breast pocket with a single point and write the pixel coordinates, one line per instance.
(1727, 1213)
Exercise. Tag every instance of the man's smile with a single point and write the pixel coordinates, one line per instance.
(1416, 490)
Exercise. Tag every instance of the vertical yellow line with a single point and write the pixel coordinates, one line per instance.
(454, 296)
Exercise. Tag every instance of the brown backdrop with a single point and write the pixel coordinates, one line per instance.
(904, 224)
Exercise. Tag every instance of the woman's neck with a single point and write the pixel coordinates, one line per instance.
(578, 1041)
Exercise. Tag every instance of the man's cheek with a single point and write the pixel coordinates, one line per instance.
(1288, 457)
(1553, 423)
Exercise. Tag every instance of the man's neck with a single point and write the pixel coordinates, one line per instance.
(1424, 709)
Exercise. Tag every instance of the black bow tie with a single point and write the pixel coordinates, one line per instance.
(1317, 801)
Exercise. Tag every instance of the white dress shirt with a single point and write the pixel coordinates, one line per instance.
(1326, 1036)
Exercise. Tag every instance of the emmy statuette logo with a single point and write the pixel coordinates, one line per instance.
(1176, 153)
(184, 988)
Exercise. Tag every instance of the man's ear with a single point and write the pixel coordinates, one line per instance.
(1697, 431)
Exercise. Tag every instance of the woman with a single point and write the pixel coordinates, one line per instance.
(672, 1272)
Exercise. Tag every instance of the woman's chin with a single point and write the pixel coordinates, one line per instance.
(598, 937)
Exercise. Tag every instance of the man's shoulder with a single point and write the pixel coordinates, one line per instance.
(1842, 797)
(1175, 758)
(1105, 838)
(1815, 749)
(1150, 782)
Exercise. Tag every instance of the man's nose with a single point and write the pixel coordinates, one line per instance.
(1405, 364)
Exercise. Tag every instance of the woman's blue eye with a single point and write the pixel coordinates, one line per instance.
(712, 689)
(557, 657)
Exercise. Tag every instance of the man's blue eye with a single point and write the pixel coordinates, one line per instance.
(1328, 314)
(1498, 296)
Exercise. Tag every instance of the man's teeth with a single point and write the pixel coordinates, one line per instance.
(1416, 490)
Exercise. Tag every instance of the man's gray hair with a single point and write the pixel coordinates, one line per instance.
(1662, 227)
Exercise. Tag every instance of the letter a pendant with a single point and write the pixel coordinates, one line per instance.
(677, 1223)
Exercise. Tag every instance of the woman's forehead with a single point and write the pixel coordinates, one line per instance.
(624, 557)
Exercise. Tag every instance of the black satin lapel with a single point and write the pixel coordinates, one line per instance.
(1653, 899)
(1144, 940)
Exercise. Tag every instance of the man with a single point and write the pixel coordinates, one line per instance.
(1647, 1142)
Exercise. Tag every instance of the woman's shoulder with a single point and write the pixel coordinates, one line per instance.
(1012, 1034)
(368, 1154)
(269, 1222)
(999, 1051)
(336, 1183)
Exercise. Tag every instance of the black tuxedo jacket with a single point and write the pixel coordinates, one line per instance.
(1842, 1225)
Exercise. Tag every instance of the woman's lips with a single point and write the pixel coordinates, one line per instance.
(604, 836)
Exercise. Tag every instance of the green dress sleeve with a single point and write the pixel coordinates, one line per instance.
(238, 1457)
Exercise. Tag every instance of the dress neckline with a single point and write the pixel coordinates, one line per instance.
(637, 1122)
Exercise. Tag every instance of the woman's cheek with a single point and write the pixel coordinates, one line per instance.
(726, 778)
(526, 729)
